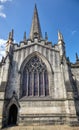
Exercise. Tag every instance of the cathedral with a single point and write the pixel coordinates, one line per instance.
(38, 83)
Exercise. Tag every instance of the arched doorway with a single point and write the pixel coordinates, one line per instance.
(12, 118)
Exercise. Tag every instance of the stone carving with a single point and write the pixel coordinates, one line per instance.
(35, 64)
(9, 46)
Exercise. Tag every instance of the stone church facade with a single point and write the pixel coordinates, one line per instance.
(38, 83)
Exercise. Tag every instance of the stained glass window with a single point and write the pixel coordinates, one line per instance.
(35, 78)
(35, 83)
(24, 90)
(30, 84)
(41, 84)
(46, 83)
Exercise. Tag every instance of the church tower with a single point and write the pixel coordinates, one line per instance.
(37, 84)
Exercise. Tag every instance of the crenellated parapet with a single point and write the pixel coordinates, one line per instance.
(30, 42)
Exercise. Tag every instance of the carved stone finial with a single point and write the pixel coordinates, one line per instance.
(77, 58)
(9, 46)
(60, 36)
(9, 42)
(11, 35)
(46, 36)
(24, 38)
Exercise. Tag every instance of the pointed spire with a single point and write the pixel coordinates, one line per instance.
(60, 36)
(24, 39)
(9, 45)
(77, 59)
(46, 36)
(11, 35)
(35, 28)
(35, 6)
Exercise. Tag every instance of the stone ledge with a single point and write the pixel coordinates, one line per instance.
(32, 98)
(46, 127)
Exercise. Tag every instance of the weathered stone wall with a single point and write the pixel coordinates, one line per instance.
(75, 72)
(1, 107)
(59, 103)
(49, 107)
(4, 75)
(53, 57)
(3, 83)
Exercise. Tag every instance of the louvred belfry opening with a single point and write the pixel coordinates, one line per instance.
(35, 78)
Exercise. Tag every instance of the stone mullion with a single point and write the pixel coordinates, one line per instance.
(38, 81)
(32, 83)
(27, 82)
(43, 84)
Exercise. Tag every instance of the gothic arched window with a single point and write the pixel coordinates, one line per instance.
(35, 78)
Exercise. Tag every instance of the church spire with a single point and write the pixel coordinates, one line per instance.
(35, 28)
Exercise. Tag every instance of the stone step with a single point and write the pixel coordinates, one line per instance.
(55, 127)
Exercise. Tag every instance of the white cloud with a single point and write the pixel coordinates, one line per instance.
(2, 48)
(73, 32)
(2, 14)
(1, 7)
(3, 42)
(3, 1)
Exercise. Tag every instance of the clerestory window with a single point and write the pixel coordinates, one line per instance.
(35, 78)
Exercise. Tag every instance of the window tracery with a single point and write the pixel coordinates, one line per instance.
(35, 78)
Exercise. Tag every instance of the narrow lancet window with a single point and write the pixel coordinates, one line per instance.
(41, 84)
(35, 83)
(24, 83)
(46, 83)
(30, 84)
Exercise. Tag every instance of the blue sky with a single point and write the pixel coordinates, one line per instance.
(54, 15)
